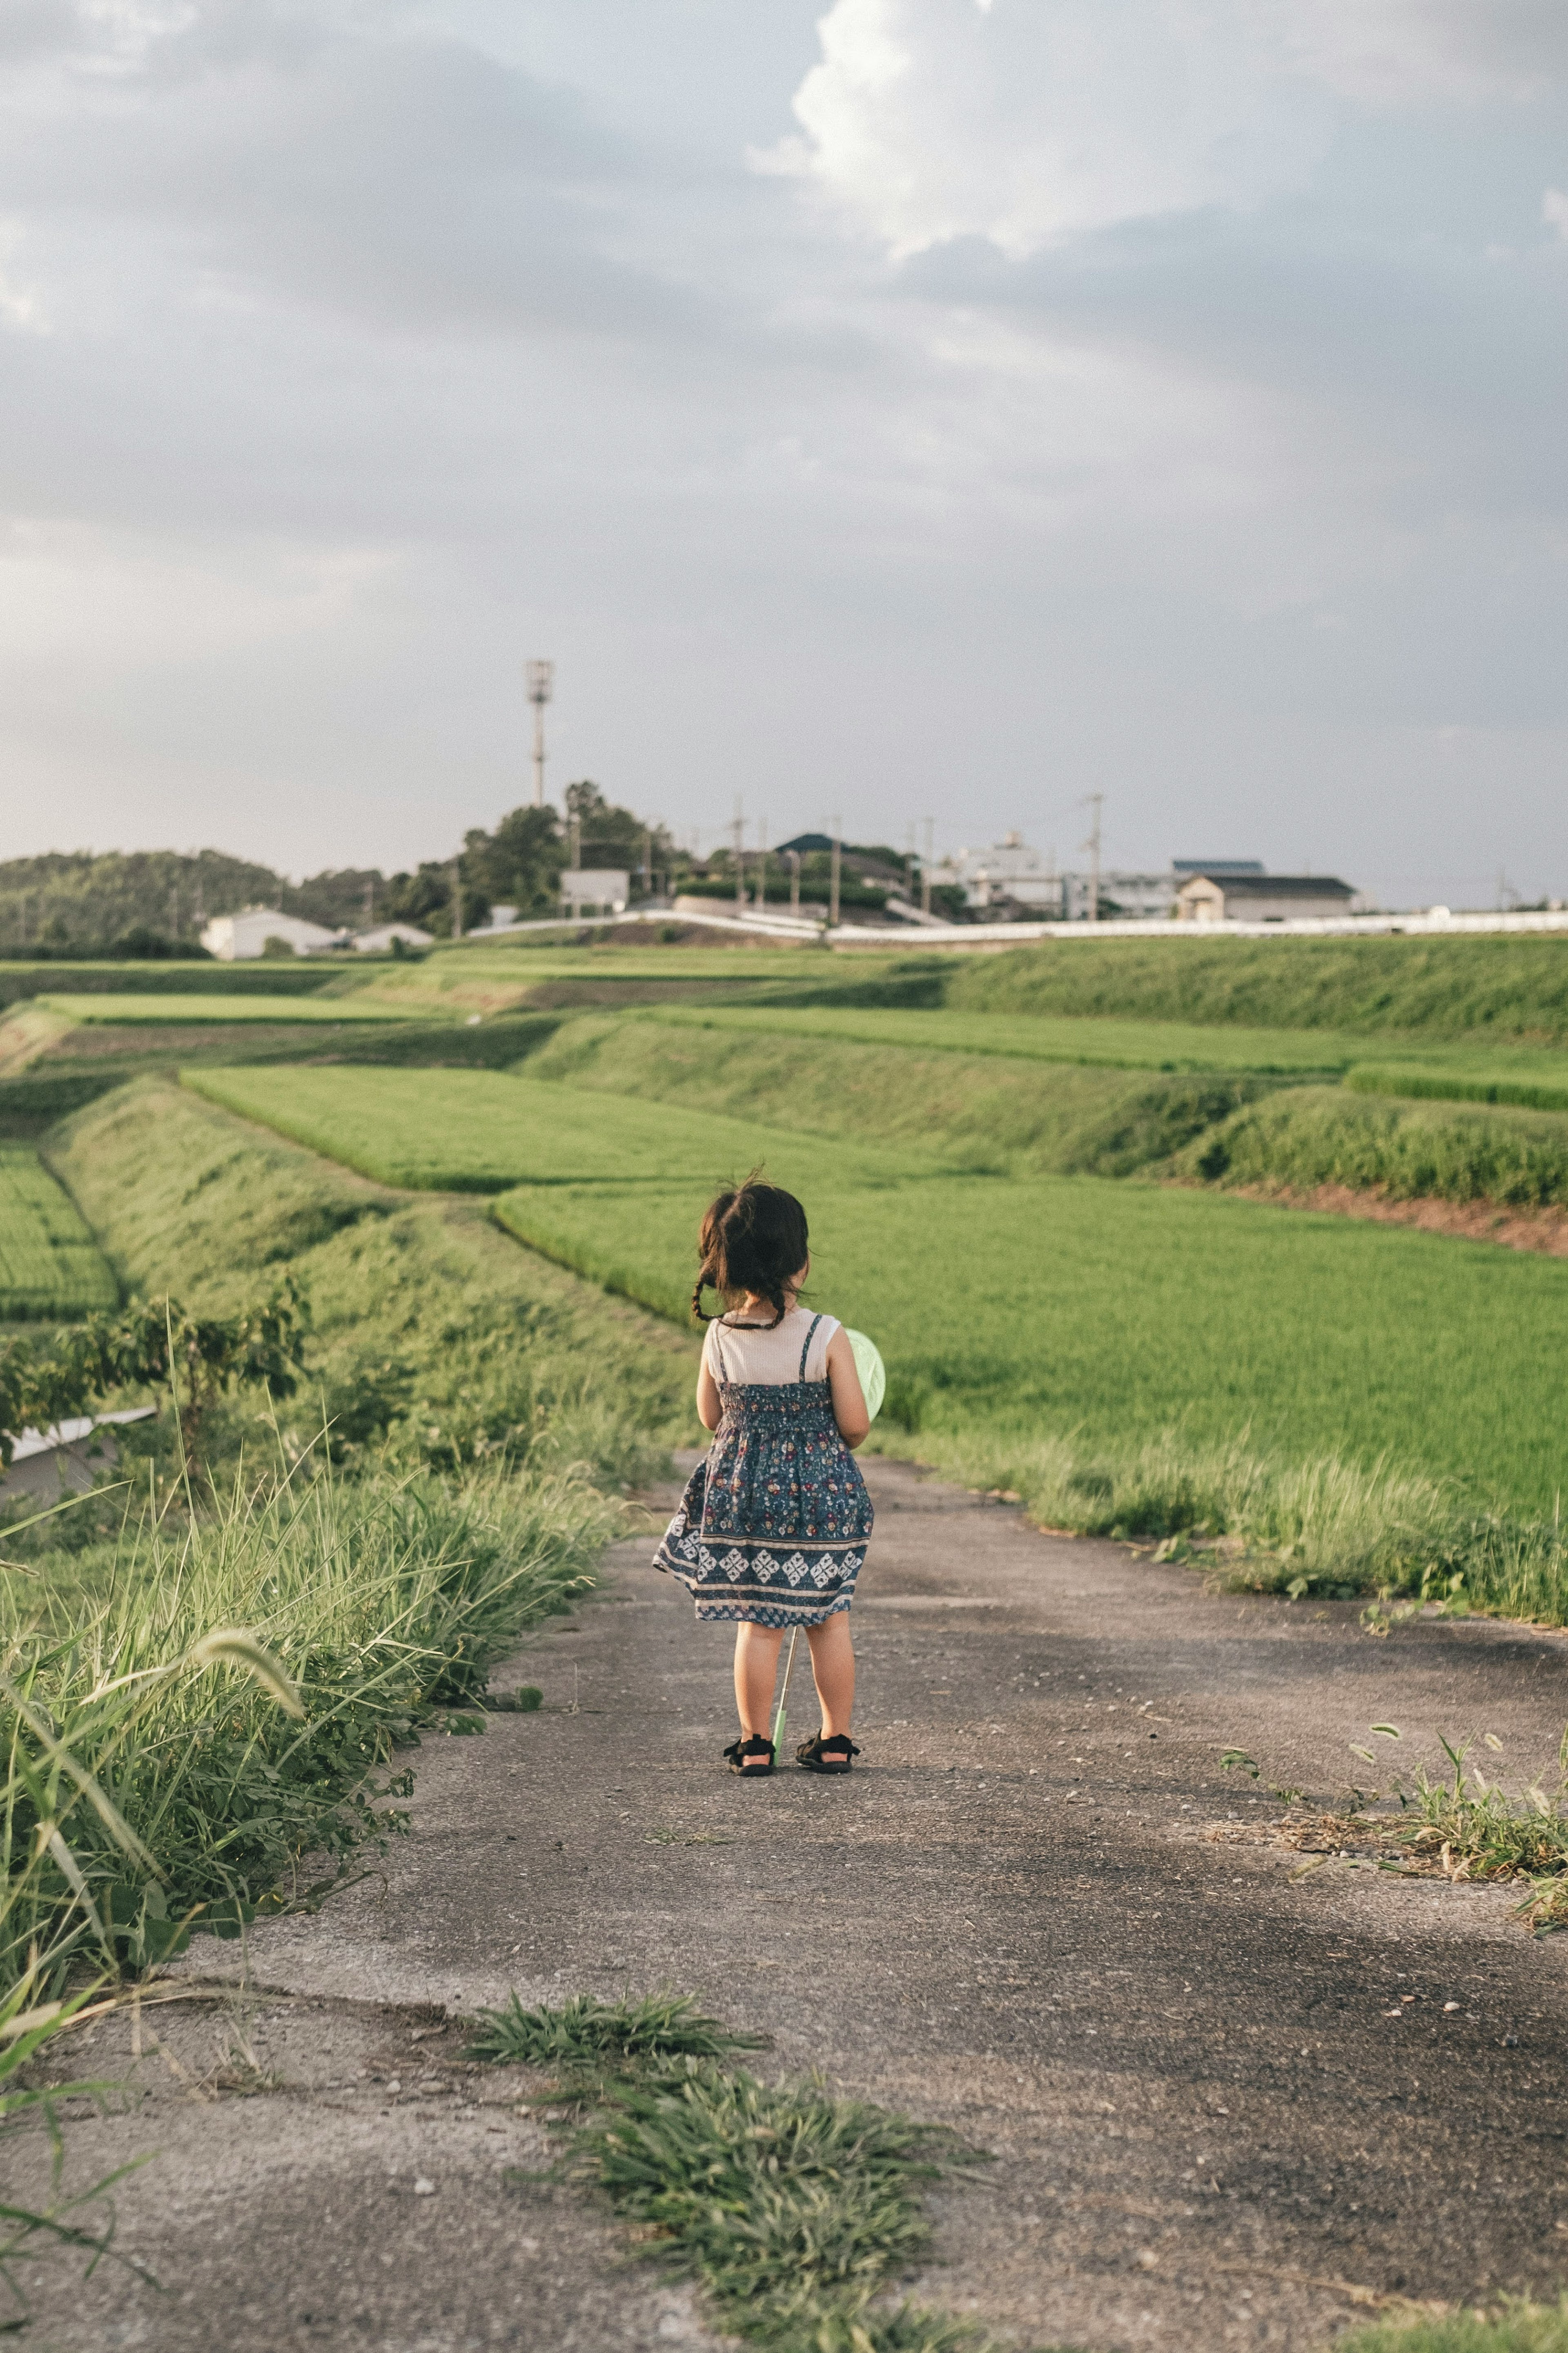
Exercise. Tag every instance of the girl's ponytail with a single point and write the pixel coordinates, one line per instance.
(754, 1238)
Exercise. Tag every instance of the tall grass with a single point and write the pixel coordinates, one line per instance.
(1324, 1525)
(382, 1600)
(1407, 1149)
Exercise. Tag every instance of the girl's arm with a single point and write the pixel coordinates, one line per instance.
(843, 1385)
(709, 1412)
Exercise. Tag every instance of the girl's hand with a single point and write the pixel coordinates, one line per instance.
(843, 1385)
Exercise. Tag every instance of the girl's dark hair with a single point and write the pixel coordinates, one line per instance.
(753, 1238)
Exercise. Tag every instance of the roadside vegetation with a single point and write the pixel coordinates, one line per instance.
(1516, 2327)
(792, 2210)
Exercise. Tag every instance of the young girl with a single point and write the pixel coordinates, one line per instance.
(774, 1524)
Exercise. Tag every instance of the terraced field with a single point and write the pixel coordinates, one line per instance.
(481, 1131)
(49, 1263)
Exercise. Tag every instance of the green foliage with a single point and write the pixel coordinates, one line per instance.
(49, 1263)
(1515, 2327)
(1508, 987)
(1323, 1135)
(75, 898)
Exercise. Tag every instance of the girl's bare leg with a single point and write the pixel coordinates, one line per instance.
(756, 1671)
(833, 1665)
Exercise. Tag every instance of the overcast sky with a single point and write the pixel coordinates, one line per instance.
(934, 408)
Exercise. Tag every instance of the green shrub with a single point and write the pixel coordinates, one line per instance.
(1331, 1135)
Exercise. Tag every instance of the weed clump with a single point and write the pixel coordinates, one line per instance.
(1516, 2327)
(588, 2041)
(793, 2208)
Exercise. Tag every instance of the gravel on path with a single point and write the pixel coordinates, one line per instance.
(1225, 2108)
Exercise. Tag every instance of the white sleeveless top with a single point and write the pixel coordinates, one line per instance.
(745, 1356)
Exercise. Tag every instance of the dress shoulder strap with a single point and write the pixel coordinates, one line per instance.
(806, 1351)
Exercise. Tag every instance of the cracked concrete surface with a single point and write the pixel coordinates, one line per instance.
(1209, 2127)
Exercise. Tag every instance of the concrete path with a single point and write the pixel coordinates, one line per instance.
(1227, 2110)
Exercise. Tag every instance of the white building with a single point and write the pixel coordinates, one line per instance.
(1261, 898)
(379, 941)
(1009, 873)
(1012, 878)
(599, 889)
(232, 937)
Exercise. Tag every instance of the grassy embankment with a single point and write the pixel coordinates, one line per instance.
(1139, 1359)
(491, 1405)
(1496, 988)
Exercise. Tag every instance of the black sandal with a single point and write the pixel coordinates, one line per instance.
(827, 1753)
(753, 1759)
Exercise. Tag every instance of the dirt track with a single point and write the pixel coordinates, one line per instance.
(1209, 2131)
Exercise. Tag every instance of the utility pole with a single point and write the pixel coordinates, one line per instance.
(368, 905)
(1092, 846)
(646, 862)
(837, 861)
(738, 831)
(575, 834)
(763, 866)
(926, 866)
(794, 857)
(457, 897)
(541, 686)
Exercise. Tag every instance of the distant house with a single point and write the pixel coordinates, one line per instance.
(1184, 869)
(231, 938)
(379, 941)
(1223, 896)
(604, 890)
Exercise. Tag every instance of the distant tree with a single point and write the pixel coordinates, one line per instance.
(426, 898)
(343, 898)
(614, 836)
(519, 863)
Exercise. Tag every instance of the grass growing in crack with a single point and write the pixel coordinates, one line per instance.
(792, 2208)
(1464, 1825)
(1516, 2329)
(587, 2042)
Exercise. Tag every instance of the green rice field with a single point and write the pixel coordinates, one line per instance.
(1077, 1305)
(482, 1132)
(1072, 1304)
(49, 1263)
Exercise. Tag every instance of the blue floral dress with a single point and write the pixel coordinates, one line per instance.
(775, 1522)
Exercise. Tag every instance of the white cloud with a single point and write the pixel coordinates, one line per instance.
(1024, 123)
(1554, 212)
